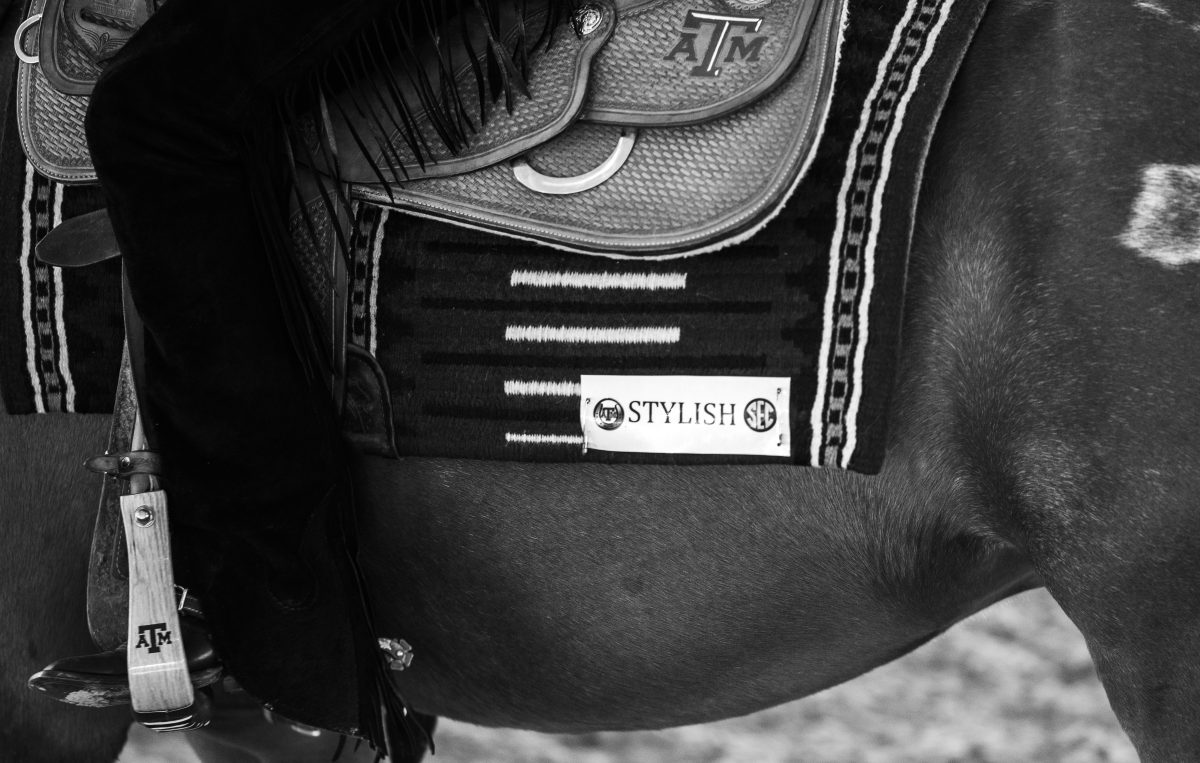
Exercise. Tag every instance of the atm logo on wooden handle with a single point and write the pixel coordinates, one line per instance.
(152, 637)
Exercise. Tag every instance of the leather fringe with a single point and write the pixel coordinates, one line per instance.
(388, 724)
(401, 46)
(383, 718)
(272, 154)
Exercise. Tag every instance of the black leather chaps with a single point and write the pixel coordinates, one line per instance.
(184, 130)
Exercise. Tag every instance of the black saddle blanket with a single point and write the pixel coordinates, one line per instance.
(485, 341)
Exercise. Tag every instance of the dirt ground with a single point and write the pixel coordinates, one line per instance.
(1012, 684)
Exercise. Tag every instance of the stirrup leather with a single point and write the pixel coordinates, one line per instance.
(160, 687)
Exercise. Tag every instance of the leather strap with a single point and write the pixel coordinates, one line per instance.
(82, 240)
(125, 465)
(108, 569)
(108, 566)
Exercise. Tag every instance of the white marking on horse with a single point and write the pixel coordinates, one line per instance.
(1165, 223)
(1152, 7)
(1155, 8)
(592, 335)
(575, 280)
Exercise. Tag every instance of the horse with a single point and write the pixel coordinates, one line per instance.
(1042, 434)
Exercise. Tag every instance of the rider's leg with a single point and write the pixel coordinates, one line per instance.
(252, 461)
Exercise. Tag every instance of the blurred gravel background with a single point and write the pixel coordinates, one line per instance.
(1014, 683)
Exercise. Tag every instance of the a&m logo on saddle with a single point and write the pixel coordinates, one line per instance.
(710, 39)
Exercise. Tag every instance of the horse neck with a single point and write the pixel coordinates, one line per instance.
(1060, 109)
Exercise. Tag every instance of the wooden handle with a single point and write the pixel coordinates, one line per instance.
(158, 673)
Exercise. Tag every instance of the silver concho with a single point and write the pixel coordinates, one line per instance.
(397, 651)
(587, 19)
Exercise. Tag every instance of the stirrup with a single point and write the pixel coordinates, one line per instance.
(160, 688)
(102, 679)
(153, 672)
(157, 678)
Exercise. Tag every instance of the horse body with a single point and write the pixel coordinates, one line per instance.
(1042, 432)
(47, 513)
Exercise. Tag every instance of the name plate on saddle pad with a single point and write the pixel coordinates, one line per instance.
(714, 415)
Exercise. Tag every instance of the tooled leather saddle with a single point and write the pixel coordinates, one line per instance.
(640, 128)
(653, 127)
(650, 126)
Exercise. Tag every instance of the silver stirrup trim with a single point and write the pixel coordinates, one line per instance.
(536, 181)
(17, 46)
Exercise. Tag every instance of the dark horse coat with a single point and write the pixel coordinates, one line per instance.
(1043, 433)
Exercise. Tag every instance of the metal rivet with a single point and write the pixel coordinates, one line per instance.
(144, 516)
(587, 19)
(126, 462)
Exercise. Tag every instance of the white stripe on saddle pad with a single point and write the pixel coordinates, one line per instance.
(60, 323)
(46, 352)
(31, 349)
(592, 335)
(575, 280)
(534, 388)
(846, 334)
(885, 170)
(373, 299)
(526, 438)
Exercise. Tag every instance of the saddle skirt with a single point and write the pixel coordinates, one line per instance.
(642, 127)
(653, 127)
(69, 40)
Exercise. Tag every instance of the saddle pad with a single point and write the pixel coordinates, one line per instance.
(816, 298)
(61, 330)
(486, 340)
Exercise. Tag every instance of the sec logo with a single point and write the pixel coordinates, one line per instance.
(760, 415)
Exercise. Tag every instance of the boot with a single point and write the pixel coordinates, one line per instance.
(100, 680)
